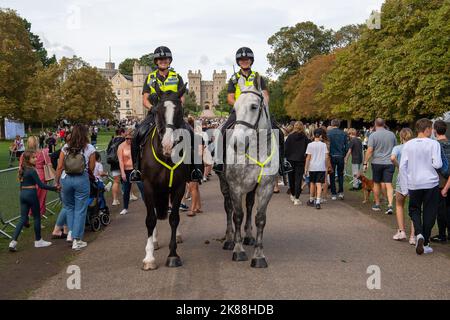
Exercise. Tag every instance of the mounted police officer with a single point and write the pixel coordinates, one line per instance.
(245, 59)
(167, 80)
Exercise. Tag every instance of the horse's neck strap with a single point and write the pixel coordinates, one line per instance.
(170, 168)
(263, 164)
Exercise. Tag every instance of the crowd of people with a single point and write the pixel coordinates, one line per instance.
(319, 156)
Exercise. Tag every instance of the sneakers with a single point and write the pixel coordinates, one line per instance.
(115, 203)
(133, 197)
(42, 244)
(69, 237)
(399, 236)
(341, 196)
(389, 211)
(318, 205)
(412, 241)
(78, 244)
(184, 207)
(108, 187)
(310, 203)
(333, 197)
(204, 179)
(427, 249)
(438, 238)
(376, 207)
(419, 244)
(12, 246)
(297, 202)
(123, 212)
(292, 198)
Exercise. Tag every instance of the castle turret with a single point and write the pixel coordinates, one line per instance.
(195, 85)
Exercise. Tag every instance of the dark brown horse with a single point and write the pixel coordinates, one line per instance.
(165, 173)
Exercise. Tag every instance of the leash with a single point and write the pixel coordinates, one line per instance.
(170, 168)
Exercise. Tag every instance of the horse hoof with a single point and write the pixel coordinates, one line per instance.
(228, 245)
(259, 263)
(149, 266)
(179, 239)
(173, 262)
(155, 246)
(249, 241)
(240, 256)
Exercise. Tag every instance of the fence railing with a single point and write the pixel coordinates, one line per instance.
(10, 201)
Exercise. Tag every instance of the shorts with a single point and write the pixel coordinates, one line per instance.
(317, 177)
(382, 173)
(116, 173)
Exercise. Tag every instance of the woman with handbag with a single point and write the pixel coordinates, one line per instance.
(76, 163)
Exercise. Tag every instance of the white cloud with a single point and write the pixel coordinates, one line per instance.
(193, 29)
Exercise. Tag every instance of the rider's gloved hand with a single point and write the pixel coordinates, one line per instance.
(153, 99)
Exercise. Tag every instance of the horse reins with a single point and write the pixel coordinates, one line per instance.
(261, 109)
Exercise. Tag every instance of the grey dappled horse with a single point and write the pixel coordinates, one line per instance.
(244, 177)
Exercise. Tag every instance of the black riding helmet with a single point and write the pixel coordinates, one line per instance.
(162, 52)
(244, 52)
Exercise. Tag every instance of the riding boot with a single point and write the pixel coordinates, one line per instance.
(195, 169)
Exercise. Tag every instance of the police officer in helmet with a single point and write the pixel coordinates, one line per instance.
(167, 80)
(245, 59)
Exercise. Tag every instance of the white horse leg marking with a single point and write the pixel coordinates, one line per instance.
(149, 260)
(155, 239)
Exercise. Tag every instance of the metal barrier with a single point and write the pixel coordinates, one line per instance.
(10, 202)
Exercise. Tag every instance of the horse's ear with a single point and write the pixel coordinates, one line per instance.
(182, 91)
(158, 89)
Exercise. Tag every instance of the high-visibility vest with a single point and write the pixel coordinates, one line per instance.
(170, 84)
(248, 82)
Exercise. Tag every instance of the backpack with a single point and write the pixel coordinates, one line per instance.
(74, 162)
(445, 149)
(111, 152)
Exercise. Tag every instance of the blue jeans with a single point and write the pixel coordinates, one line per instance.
(101, 194)
(75, 194)
(337, 163)
(126, 185)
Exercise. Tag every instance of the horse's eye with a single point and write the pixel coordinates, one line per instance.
(254, 106)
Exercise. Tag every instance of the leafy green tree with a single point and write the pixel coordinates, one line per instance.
(87, 96)
(276, 103)
(126, 66)
(223, 107)
(294, 46)
(18, 64)
(147, 60)
(38, 46)
(348, 34)
(190, 103)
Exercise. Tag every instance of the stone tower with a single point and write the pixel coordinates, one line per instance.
(195, 85)
(219, 82)
(140, 74)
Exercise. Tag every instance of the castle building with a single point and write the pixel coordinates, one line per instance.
(207, 92)
(128, 89)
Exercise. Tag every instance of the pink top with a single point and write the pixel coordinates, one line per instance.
(124, 155)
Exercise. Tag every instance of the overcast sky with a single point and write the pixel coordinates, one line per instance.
(202, 34)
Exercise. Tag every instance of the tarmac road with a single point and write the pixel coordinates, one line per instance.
(312, 254)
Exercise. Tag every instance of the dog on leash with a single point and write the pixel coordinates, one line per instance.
(367, 186)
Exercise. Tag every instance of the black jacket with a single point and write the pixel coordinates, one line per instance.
(295, 147)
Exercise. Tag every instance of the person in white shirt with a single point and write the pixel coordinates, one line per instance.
(317, 161)
(420, 159)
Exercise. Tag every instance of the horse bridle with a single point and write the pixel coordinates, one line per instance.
(261, 109)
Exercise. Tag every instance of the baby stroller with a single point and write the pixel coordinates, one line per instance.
(97, 212)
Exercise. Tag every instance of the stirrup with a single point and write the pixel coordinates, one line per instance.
(196, 175)
(135, 176)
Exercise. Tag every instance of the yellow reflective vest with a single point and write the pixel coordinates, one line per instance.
(170, 84)
(248, 82)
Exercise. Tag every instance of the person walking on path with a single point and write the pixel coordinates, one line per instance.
(355, 149)
(338, 150)
(113, 161)
(29, 179)
(76, 163)
(295, 152)
(406, 134)
(126, 167)
(317, 161)
(421, 157)
(381, 143)
(443, 216)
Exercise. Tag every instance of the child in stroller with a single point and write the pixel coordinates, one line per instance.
(98, 211)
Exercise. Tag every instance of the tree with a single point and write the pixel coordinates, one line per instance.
(190, 103)
(348, 34)
(38, 46)
(87, 96)
(126, 66)
(294, 46)
(147, 60)
(18, 63)
(276, 103)
(223, 106)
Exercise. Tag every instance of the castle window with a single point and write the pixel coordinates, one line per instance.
(118, 92)
(207, 95)
(127, 92)
(128, 104)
